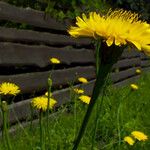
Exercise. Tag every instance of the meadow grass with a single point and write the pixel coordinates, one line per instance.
(123, 111)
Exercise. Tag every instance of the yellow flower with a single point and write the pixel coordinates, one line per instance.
(46, 94)
(139, 135)
(119, 27)
(7, 88)
(42, 102)
(129, 140)
(84, 98)
(138, 71)
(83, 80)
(134, 87)
(78, 91)
(55, 60)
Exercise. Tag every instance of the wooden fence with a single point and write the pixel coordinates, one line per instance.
(24, 59)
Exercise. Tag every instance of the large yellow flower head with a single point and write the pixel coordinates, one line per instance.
(7, 88)
(41, 103)
(119, 27)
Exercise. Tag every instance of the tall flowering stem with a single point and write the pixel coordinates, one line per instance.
(5, 133)
(48, 103)
(98, 45)
(109, 56)
(42, 139)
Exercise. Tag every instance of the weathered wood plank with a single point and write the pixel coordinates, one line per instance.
(146, 69)
(130, 53)
(127, 63)
(144, 57)
(29, 36)
(122, 75)
(21, 110)
(37, 81)
(12, 54)
(127, 81)
(29, 16)
(145, 63)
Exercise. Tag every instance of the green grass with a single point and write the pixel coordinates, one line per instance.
(123, 111)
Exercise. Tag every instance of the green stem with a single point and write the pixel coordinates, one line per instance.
(102, 73)
(98, 112)
(109, 56)
(48, 110)
(5, 126)
(75, 114)
(41, 131)
(98, 45)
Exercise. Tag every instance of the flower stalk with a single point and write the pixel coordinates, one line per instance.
(42, 144)
(48, 103)
(5, 133)
(109, 57)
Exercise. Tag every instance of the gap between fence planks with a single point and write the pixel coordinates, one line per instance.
(29, 16)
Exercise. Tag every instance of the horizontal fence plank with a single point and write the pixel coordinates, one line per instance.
(29, 16)
(29, 36)
(12, 54)
(122, 75)
(145, 63)
(127, 81)
(22, 111)
(146, 69)
(127, 63)
(144, 56)
(130, 53)
(33, 82)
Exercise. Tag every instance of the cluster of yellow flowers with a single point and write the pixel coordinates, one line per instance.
(84, 98)
(140, 136)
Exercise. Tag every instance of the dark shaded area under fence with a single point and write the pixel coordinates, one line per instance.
(24, 59)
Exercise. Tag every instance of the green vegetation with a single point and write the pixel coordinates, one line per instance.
(124, 111)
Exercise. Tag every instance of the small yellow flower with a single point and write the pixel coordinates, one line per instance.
(55, 60)
(46, 94)
(84, 98)
(42, 102)
(83, 80)
(138, 71)
(139, 135)
(134, 87)
(78, 91)
(129, 140)
(7, 88)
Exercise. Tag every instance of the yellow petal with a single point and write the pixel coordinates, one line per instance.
(109, 41)
(137, 45)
